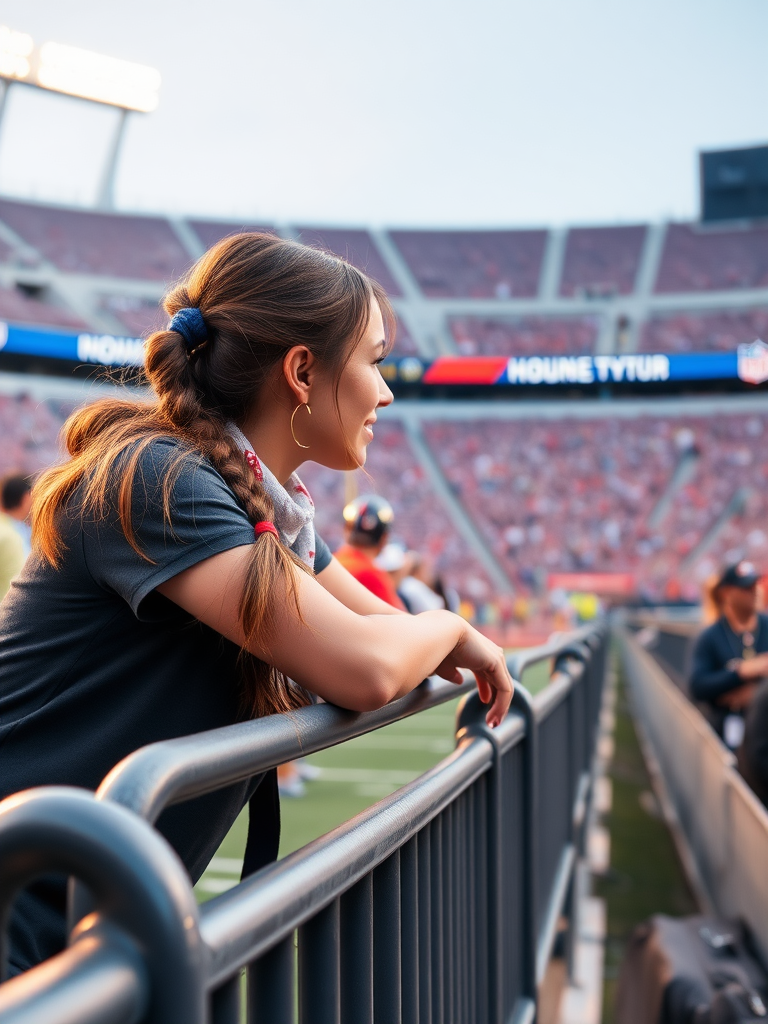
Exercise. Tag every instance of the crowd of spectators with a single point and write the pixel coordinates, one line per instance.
(474, 264)
(29, 429)
(602, 261)
(547, 495)
(86, 242)
(703, 332)
(525, 336)
(421, 520)
(698, 260)
(578, 495)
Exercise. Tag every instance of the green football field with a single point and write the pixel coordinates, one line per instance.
(353, 775)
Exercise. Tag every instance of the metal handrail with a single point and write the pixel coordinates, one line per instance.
(331, 882)
(242, 923)
(171, 771)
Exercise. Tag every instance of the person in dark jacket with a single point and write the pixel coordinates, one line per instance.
(731, 656)
(752, 755)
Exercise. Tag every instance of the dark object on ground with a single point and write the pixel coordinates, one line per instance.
(692, 970)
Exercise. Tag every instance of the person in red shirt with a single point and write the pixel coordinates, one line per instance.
(367, 521)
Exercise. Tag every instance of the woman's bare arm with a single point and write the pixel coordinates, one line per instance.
(357, 661)
(345, 588)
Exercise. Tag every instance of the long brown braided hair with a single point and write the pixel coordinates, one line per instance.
(259, 296)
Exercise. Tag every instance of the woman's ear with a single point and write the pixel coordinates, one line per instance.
(299, 370)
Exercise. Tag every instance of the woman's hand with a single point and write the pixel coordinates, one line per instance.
(486, 660)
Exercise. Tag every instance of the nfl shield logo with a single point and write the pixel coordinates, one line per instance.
(752, 362)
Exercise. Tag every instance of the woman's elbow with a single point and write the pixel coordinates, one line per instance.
(375, 686)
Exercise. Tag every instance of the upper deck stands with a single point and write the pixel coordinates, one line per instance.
(704, 332)
(212, 231)
(525, 336)
(474, 264)
(355, 246)
(699, 259)
(20, 308)
(84, 242)
(138, 317)
(602, 261)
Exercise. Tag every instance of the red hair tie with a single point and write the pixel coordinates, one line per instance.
(266, 527)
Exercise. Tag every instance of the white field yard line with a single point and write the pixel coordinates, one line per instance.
(379, 775)
(430, 744)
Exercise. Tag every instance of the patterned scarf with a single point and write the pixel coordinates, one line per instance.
(294, 508)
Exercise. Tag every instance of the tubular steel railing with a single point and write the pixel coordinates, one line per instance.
(441, 903)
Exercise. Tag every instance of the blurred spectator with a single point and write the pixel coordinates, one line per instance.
(16, 502)
(417, 589)
(12, 548)
(367, 521)
(753, 753)
(731, 655)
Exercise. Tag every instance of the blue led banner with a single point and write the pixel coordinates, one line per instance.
(748, 363)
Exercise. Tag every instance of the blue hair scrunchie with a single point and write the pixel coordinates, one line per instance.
(189, 323)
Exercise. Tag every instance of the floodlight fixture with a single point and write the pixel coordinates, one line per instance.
(91, 76)
(71, 71)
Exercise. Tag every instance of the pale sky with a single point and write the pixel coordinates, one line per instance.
(404, 113)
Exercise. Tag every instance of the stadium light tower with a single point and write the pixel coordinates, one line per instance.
(89, 76)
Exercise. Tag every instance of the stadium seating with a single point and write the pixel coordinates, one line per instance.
(212, 231)
(703, 332)
(697, 259)
(571, 495)
(355, 246)
(421, 520)
(602, 261)
(138, 316)
(18, 307)
(84, 242)
(474, 264)
(525, 336)
(557, 495)
(29, 429)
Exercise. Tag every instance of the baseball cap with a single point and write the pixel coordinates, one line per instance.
(368, 517)
(741, 574)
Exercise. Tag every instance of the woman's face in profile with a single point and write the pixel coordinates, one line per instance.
(340, 439)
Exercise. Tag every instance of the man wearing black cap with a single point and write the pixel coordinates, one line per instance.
(731, 656)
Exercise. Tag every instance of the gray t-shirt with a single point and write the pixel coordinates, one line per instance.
(95, 663)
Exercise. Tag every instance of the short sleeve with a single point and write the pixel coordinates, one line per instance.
(205, 520)
(322, 554)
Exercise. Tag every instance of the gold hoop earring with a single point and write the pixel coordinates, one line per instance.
(293, 414)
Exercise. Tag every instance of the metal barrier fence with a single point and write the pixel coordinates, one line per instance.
(441, 903)
(720, 826)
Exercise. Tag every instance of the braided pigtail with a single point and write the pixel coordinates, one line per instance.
(170, 367)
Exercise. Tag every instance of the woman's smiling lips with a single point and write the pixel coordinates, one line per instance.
(368, 427)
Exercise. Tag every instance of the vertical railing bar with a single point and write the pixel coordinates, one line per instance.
(387, 979)
(225, 1002)
(409, 917)
(449, 973)
(356, 966)
(319, 988)
(424, 866)
(438, 1001)
(271, 981)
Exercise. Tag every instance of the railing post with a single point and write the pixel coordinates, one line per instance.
(471, 722)
(387, 976)
(138, 883)
(522, 703)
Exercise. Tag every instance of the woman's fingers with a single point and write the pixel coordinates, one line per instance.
(502, 686)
